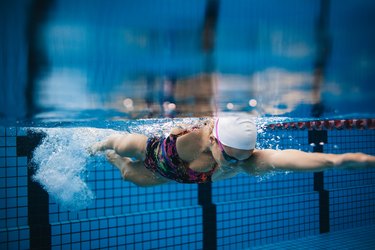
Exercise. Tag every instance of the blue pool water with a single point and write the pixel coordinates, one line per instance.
(72, 72)
(89, 206)
(96, 61)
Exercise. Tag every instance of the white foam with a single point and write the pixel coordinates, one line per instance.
(62, 164)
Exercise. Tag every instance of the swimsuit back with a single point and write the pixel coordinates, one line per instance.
(162, 158)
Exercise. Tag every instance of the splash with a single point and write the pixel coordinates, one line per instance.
(62, 164)
(270, 140)
(270, 175)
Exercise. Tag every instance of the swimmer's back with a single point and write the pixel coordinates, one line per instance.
(193, 147)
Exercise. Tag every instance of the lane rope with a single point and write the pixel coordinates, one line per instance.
(325, 124)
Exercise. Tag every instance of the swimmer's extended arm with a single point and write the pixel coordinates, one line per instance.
(293, 160)
(125, 145)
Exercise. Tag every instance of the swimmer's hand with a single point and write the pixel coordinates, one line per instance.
(95, 148)
(355, 161)
(90, 151)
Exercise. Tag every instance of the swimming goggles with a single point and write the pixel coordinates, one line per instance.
(227, 157)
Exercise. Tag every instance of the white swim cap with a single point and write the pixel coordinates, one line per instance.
(236, 132)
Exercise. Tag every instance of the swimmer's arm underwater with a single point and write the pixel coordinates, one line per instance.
(264, 161)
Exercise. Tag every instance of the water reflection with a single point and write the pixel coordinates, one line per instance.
(80, 59)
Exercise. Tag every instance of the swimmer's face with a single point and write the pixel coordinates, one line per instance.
(231, 156)
(234, 155)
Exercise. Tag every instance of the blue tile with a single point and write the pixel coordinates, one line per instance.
(11, 172)
(155, 244)
(21, 191)
(103, 223)
(112, 231)
(11, 161)
(56, 240)
(85, 245)
(85, 236)
(95, 244)
(94, 224)
(22, 180)
(22, 131)
(75, 227)
(65, 228)
(3, 172)
(94, 234)
(65, 239)
(76, 246)
(22, 161)
(10, 141)
(11, 182)
(3, 236)
(13, 235)
(2, 162)
(85, 226)
(55, 230)
(75, 237)
(12, 222)
(22, 201)
(12, 245)
(11, 131)
(129, 238)
(112, 242)
(11, 212)
(103, 233)
(121, 241)
(103, 243)
(147, 245)
(24, 244)
(92, 213)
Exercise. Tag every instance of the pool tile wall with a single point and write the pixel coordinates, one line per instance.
(14, 230)
(249, 211)
(249, 223)
(352, 192)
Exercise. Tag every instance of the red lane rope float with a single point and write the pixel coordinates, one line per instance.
(325, 124)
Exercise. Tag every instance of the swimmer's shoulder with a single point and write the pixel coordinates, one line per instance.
(193, 143)
(177, 130)
(256, 162)
(249, 164)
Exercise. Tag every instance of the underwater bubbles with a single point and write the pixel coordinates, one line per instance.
(62, 164)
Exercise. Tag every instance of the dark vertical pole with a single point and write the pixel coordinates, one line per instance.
(209, 216)
(209, 29)
(319, 138)
(205, 190)
(323, 49)
(38, 204)
(38, 208)
(37, 59)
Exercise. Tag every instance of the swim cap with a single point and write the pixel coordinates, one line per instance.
(236, 131)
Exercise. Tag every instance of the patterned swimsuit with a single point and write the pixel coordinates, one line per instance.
(162, 158)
